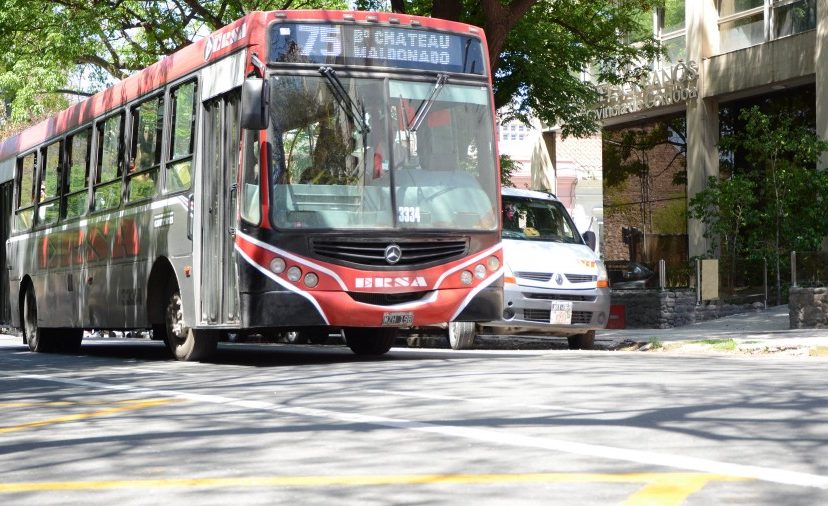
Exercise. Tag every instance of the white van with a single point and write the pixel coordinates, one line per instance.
(554, 283)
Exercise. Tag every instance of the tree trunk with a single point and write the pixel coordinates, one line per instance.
(398, 6)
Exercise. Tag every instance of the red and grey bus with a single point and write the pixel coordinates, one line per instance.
(295, 171)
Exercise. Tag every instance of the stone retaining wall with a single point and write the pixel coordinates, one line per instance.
(665, 309)
(808, 307)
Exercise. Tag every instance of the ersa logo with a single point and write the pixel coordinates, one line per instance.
(222, 40)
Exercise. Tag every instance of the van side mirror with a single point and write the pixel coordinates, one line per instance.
(255, 101)
(590, 239)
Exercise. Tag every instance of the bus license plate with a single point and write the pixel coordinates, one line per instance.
(561, 313)
(399, 319)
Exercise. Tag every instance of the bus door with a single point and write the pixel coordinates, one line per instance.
(219, 272)
(5, 227)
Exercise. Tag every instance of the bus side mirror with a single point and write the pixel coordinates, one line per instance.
(255, 104)
(589, 239)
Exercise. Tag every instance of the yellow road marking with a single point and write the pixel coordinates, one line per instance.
(673, 489)
(643, 496)
(127, 406)
(38, 404)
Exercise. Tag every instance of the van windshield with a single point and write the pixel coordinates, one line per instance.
(537, 220)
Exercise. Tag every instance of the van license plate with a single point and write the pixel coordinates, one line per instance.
(561, 313)
(398, 319)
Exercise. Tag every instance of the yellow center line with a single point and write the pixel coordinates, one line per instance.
(38, 404)
(644, 496)
(128, 406)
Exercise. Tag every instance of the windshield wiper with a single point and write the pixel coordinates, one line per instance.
(420, 115)
(354, 111)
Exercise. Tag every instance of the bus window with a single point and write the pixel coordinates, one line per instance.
(77, 196)
(25, 191)
(180, 167)
(250, 207)
(145, 151)
(48, 208)
(108, 179)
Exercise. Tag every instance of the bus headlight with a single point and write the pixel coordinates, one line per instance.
(294, 274)
(311, 280)
(480, 271)
(277, 265)
(493, 263)
(466, 277)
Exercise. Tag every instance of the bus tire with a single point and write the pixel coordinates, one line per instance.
(370, 340)
(185, 343)
(39, 340)
(461, 335)
(582, 341)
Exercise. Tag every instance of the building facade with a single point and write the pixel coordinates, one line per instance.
(661, 137)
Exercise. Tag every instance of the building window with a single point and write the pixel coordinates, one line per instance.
(741, 24)
(671, 31)
(793, 16)
(745, 23)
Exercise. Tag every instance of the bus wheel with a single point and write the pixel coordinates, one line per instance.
(370, 340)
(39, 340)
(185, 343)
(461, 335)
(582, 341)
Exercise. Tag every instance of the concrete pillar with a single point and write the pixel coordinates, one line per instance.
(544, 163)
(702, 114)
(822, 75)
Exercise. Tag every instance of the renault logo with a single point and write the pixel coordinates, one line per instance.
(559, 279)
(393, 253)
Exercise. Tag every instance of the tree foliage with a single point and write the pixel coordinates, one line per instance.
(508, 166)
(774, 202)
(538, 48)
(44, 41)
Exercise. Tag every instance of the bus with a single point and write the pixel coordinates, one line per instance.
(295, 171)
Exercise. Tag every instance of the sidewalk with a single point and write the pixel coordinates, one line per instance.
(758, 332)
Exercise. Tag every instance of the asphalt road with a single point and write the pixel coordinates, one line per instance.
(122, 424)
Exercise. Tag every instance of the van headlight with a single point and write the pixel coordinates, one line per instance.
(603, 277)
(508, 275)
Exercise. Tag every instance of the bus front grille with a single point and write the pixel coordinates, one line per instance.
(372, 252)
(387, 299)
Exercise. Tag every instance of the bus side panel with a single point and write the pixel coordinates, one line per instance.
(169, 239)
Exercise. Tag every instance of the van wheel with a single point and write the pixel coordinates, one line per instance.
(461, 335)
(39, 340)
(370, 340)
(185, 343)
(582, 341)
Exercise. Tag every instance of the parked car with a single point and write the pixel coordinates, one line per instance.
(625, 275)
(554, 283)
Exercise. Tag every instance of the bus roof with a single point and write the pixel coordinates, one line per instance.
(246, 31)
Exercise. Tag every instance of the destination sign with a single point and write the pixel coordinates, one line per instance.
(379, 46)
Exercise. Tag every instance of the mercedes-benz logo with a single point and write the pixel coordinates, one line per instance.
(559, 279)
(393, 253)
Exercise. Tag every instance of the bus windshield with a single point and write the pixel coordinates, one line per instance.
(531, 219)
(346, 154)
